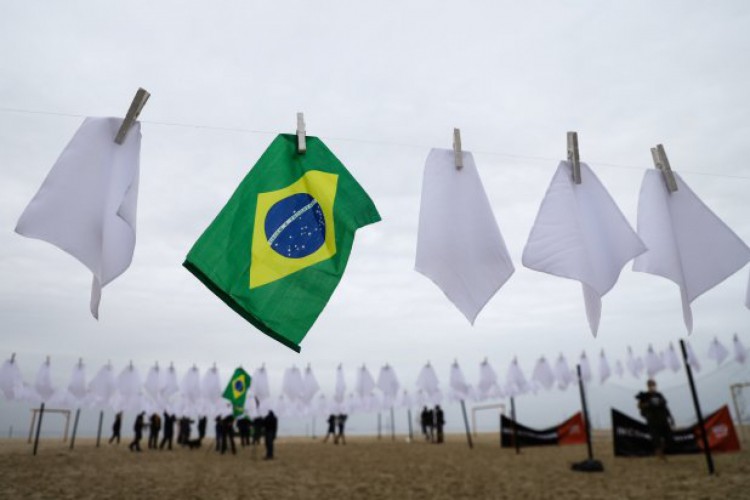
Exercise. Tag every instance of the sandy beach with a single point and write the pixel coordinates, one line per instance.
(363, 468)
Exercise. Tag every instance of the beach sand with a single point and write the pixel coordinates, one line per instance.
(363, 468)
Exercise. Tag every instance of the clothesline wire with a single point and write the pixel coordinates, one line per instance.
(364, 141)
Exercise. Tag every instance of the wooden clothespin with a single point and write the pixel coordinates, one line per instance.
(458, 153)
(574, 157)
(139, 101)
(301, 138)
(662, 163)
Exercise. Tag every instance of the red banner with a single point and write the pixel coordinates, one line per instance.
(572, 431)
(720, 431)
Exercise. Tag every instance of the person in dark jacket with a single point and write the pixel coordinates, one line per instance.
(653, 407)
(218, 429)
(439, 423)
(202, 422)
(331, 428)
(168, 430)
(270, 425)
(116, 428)
(340, 423)
(243, 429)
(153, 431)
(227, 434)
(138, 429)
(257, 429)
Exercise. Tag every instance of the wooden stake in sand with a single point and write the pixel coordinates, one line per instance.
(515, 427)
(99, 432)
(585, 413)
(411, 432)
(38, 427)
(75, 429)
(696, 403)
(466, 424)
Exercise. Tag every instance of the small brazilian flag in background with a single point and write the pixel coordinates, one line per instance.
(278, 248)
(237, 390)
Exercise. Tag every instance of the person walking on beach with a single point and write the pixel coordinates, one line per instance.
(227, 434)
(243, 429)
(202, 422)
(116, 427)
(270, 425)
(439, 423)
(331, 428)
(153, 433)
(423, 422)
(653, 407)
(257, 429)
(138, 429)
(168, 430)
(340, 423)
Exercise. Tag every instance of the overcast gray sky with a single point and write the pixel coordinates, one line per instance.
(381, 83)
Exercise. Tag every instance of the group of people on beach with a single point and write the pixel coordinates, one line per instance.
(247, 430)
(432, 421)
(336, 425)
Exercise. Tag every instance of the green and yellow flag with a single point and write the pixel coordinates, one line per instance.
(278, 248)
(237, 390)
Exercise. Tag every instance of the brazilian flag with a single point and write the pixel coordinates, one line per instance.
(237, 390)
(278, 248)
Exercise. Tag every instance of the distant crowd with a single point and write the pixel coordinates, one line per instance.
(250, 432)
(433, 421)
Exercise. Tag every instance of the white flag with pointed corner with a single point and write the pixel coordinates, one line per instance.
(459, 245)
(687, 243)
(717, 351)
(581, 234)
(87, 204)
(740, 353)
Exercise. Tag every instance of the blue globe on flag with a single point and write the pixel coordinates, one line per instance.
(295, 227)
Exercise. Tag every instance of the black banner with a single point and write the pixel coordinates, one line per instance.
(631, 437)
(572, 431)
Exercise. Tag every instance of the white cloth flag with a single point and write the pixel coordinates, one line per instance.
(543, 374)
(43, 382)
(339, 394)
(388, 383)
(740, 353)
(87, 204)
(585, 368)
(260, 387)
(103, 386)
(77, 385)
(460, 390)
(581, 234)
(747, 294)
(604, 370)
(717, 351)
(687, 243)
(672, 360)
(563, 374)
(459, 245)
(427, 382)
(10, 378)
(654, 363)
(692, 359)
(488, 385)
(619, 370)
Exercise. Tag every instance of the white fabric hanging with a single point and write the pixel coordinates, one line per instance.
(211, 391)
(460, 390)
(580, 233)
(310, 385)
(654, 363)
(11, 379)
(672, 360)
(717, 351)
(634, 364)
(169, 386)
(692, 359)
(388, 384)
(563, 374)
(740, 353)
(43, 382)
(687, 243)
(77, 385)
(260, 386)
(488, 386)
(191, 389)
(339, 394)
(152, 384)
(619, 370)
(604, 370)
(406, 401)
(365, 384)
(515, 380)
(459, 245)
(427, 382)
(542, 374)
(585, 368)
(747, 294)
(292, 385)
(87, 204)
(102, 387)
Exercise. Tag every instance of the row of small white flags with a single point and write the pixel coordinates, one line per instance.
(201, 395)
(579, 233)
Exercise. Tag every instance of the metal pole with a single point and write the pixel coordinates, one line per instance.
(33, 421)
(75, 429)
(704, 437)
(585, 413)
(38, 427)
(411, 433)
(516, 443)
(99, 432)
(379, 428)
(67, 426)
(393, 426)
(466, 424)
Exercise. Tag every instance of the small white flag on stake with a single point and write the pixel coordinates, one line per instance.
(87, 204)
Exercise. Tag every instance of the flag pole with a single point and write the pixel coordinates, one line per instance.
(515, 427)
(696, 403)
(379, 428)
(585, 413)
(466, 424)
(38, 427)
(411, 432)
(75, 429)
(99, 431)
